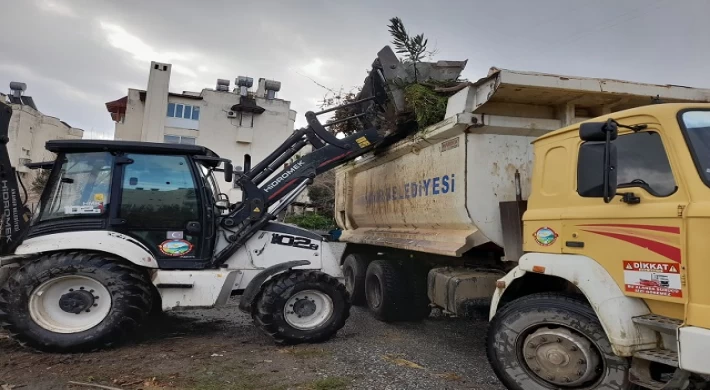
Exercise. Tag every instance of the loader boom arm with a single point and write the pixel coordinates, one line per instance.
(265, 195)
(14, 216)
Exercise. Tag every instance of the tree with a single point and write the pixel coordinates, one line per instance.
(322, 193)
(40, 181)
(414, 48)
(338, 98)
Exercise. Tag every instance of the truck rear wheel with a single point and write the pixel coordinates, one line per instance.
(74, 301)
(354, 270)
(301, 307)
(385, 285)
(552, 341)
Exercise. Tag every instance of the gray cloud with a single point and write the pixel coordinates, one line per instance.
(77, 55)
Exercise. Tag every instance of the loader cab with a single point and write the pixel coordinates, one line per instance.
(164, 196)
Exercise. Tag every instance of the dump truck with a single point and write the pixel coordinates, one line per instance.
(576, 208)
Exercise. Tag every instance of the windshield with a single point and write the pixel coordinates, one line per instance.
(81, 188)
(696, 125)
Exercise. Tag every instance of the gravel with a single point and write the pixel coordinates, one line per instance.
(221, 349)
(450, 352)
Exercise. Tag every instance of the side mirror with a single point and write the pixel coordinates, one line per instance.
(598, 131)
(228, 172)
(596, 171)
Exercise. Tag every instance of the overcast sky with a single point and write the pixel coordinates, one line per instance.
(76, 55)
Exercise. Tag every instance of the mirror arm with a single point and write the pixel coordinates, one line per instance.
(607, 167)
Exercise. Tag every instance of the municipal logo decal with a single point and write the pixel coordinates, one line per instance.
(545, 236)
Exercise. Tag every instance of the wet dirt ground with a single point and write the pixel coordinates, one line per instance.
(221, 349)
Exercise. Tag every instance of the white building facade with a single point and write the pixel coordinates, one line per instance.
(241, 125)
(29, 132)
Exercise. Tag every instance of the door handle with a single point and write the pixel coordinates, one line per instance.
(575, 244)
(194, 227)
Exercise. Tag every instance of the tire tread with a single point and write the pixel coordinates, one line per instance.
(132, 282)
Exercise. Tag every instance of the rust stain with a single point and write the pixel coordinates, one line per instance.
(494, 169)
(510, 169)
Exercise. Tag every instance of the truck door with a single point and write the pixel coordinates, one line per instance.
(160, 205)
(640, 241)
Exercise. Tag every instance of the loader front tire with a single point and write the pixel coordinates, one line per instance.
(301, 307)
(74, 301)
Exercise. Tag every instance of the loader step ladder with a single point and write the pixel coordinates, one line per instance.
(642, 361)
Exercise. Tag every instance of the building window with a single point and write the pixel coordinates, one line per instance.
(179, 139)
(186, 111)
(247, 163)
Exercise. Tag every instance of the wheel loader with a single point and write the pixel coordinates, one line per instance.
(127, 228)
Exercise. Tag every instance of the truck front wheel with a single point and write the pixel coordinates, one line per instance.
(74, 301)
(301, 307)
(552, 341)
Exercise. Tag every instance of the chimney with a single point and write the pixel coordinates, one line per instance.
(156, 102)
(261, 90)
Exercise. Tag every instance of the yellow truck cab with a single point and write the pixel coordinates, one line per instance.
(618, 217)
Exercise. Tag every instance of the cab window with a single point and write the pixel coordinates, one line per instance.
(81, 187)
(643, 162)
(158, 193)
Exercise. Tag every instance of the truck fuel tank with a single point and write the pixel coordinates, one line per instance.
(459, 290)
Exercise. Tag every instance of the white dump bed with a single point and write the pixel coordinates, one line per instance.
(439, 190)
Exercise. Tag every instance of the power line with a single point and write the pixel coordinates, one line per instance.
(613, 23)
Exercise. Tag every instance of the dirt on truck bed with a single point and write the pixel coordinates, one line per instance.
(221, 349)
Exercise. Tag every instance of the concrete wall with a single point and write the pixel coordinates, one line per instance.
(129, 129)
(29, 132)
(220, 133)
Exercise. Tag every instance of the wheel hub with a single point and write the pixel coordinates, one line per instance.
(69, 304)
(560, 356)
(374, 293)
(76, 301)
(349, 280)
(308, 309)
(304, 307)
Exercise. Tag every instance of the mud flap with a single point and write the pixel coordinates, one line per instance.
(14, 216)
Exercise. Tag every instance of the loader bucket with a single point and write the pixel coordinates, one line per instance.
(14, 216)
(394, 75)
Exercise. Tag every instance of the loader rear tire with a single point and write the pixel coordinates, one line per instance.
(385, 288)
(47, 304)
(301, 307)
(354, 270)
